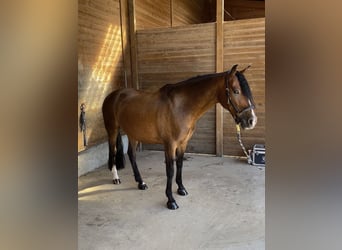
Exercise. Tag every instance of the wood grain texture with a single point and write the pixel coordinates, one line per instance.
(219, 68)
(152, 14)
(100, 61)
(244, 9)
(244, 44)
(174, 54)
(170, 55)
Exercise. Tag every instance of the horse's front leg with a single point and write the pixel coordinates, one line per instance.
(171, 203)
(181, 189)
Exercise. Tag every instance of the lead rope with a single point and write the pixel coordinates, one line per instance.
(241, 144)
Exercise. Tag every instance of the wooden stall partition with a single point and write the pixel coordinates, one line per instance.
(100, 61)
(219, 68)
(170, 55)
(185, 12)
(153, 14)
(164, 55)
(244, 9)
(244, 44)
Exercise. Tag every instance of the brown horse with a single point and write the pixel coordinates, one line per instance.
(168, 116)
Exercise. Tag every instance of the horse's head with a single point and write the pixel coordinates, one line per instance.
(238, 98)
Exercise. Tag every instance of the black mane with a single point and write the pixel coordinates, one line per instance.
(241, 78)
(194, 79)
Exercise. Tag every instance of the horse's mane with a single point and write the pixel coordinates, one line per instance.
(195, 79)
(242, 80)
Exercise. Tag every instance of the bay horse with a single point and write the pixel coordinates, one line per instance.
(168, 116)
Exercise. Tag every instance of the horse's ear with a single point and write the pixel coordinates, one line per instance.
(243, 71)
(233, 71)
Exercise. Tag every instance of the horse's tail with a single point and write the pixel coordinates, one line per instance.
(114, 136)
(119, 157)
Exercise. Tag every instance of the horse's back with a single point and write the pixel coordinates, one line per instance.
(118, 94)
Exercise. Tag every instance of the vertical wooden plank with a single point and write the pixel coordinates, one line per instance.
(126, 44)
(219, 68)
(171, 13)
(132, 28)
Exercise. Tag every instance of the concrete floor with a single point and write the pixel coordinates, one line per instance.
(224, 209)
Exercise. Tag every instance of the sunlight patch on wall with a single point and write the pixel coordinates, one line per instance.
(103, 69)
(100, 81)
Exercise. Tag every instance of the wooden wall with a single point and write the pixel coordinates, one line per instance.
(244, 44)
(170, 13)
(100, 62)
(189, 12)
(152, 14)
(168, 55)
(244, 9)
(172, 55)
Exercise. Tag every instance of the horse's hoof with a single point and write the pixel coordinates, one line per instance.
(142, 186)
(116, 181)
(182, 191)
(172, 205)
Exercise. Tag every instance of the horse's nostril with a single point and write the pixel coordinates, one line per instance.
(250, 121)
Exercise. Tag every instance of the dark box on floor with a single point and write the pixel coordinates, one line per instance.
(257, 155)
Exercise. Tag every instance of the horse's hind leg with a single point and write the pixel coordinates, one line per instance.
(132, 157)
(112, 137)
(180, 156)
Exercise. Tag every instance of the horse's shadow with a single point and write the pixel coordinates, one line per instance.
(82, 190)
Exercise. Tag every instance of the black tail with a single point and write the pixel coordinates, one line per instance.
(119, 157)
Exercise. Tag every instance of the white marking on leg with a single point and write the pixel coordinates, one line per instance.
(115, 173)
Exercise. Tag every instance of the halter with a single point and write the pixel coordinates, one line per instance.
(230, 102)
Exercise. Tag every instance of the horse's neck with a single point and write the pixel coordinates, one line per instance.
(199, 97)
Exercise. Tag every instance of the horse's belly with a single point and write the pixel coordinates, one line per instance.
(138, 117)
(140, 127)
(141, 133)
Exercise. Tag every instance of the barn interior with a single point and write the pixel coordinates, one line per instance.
(145, 44)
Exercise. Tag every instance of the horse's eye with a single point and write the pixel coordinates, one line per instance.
(236, 91)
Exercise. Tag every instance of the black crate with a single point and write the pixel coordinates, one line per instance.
(257, 155)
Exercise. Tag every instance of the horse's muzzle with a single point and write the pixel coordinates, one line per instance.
(247, 121)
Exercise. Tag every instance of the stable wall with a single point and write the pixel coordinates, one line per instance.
(244, 9)
(165, 55)
(100, 61)
(244, 44)
(170, 55)
(104, 42)
(170, 13)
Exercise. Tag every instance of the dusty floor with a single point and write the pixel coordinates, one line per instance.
(224, 209)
